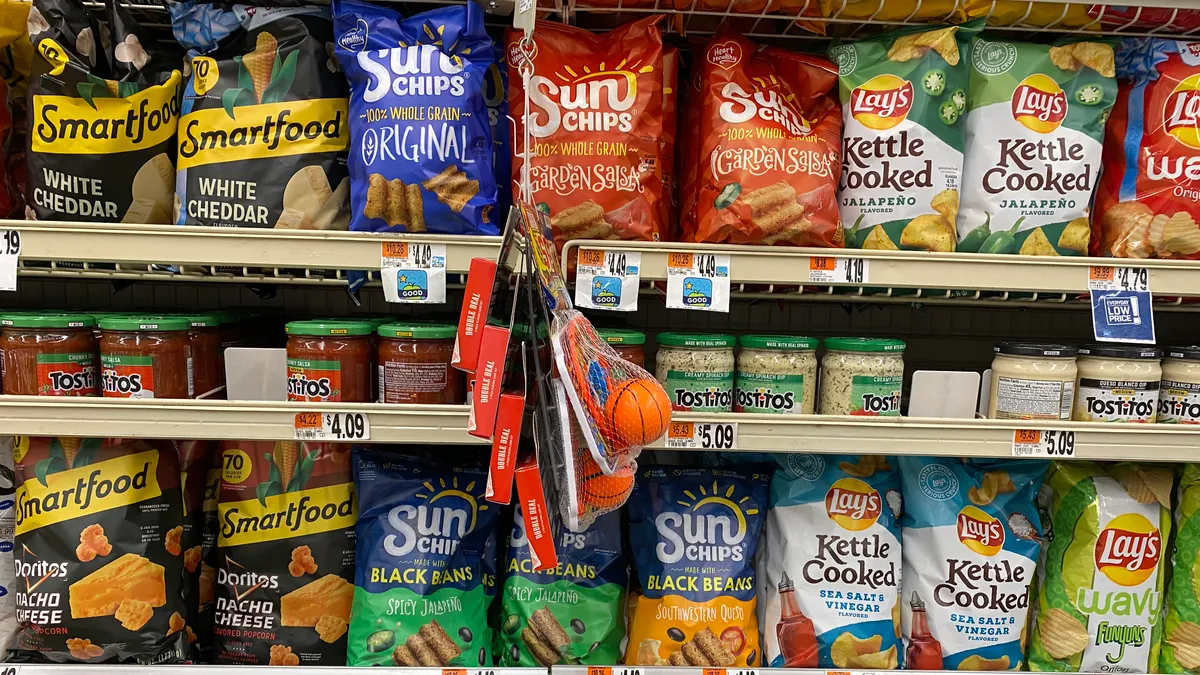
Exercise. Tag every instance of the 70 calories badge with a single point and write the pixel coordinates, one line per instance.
(413, 272)
(698, 281)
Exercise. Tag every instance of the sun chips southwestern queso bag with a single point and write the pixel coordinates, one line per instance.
(98, 559)
(596, 126)
(693, 533)
(1100, 594)
(286, 553)
(770, 147)
(1148, 203)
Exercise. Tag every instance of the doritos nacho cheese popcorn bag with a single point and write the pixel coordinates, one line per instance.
(263, 136)
(693, 533)
(419, 122)
(770, 147)
(595, 127)
(99, 571)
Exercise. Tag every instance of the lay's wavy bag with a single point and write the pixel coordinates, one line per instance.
(1100, 596)
(694, 534)
(832, 563)
(1181, 632)
(420, 131)
(972, 538)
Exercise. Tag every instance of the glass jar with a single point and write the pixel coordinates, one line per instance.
(696, 369)
(628, 343)
(776, 374)
(208, 360)
(1117, 383)
(1179, 394)
(329, 361)
(49, 354)
(1032, 381)
(414, 364)
(862, 376)
(146, 357)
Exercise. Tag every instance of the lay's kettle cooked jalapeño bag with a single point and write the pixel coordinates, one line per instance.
(1181, 632)
(1100, 591)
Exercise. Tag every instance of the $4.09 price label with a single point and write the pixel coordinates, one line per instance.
(698, 281)
(413, 272)
(608, 279)
(1032, 443)
(10, 249)
(349, 427)
(822, 270)
(702, 435)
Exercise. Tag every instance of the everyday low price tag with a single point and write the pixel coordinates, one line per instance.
(1034, 443)
(1122, 309)
(823, 270)
(348, 427)
(702, 435)
(413, 273)
(10, 251)
(698, 281)
(607, 279)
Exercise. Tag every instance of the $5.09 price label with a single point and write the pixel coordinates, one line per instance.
(698, 281)
(702, 435)
(1033, 443)
(413, 272)
(10, 250)
(822, 270)
(608, 279)
(349, 427)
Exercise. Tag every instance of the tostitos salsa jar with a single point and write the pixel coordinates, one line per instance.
(146, 357)
(330, 361)
(48, 354)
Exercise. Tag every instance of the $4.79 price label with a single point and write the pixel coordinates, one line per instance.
(347, 427)
(413, 272)
(1033, 443)
(702, 435)
(608, 279)
(698, 281)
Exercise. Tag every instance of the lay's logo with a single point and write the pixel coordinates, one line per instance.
(1181, 112)
(1127, 551)
(712, 527)
(881, 102)
(980, 532)
(1039, 104)
(853, 504)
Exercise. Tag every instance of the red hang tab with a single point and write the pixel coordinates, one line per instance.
(477, 299)
(489, 378)
(537, 520)
(504, 448)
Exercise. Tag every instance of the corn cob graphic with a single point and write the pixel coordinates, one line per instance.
(285, 458)
(260, 62)
(70, 446)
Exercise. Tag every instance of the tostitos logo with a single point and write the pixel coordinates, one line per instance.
(1127, 551)
(1181, 113)
(980, 532)
(853, 504)
(710, 529)
(1039, 104)
(881, 102)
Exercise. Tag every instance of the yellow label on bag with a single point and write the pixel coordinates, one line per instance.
(108, 125)
(89, 489)
(292, 514)
(306, 127)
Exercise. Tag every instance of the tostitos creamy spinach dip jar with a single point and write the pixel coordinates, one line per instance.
(696, 369)
(776, 374)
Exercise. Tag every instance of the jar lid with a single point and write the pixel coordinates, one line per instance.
(851, 344)
(696, 340)
(1044, 349)
(329, 328)
(418, 331)
(793, 342)
(144, 323)
(64, 320)
(1189, 352)
(1120, 351)
(622, 336)
(210, 320)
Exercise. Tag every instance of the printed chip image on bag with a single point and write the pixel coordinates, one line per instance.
(903, 98)
(1181, 630)
(1100, 590)
(1035, 123)
(420, 593)
(1148, 203)
(831, 586)
(285, 561)
(596, 127)
(263, 133)
(98, 577)
(770, 147)
(419, 120)
(972, 538)
(573, 613)
(694, 534)
(101, 119)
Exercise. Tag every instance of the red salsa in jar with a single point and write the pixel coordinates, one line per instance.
(146, 357)
(329, 361)
(627, 343)
(414, 364)
(49, 354)
(208, 364)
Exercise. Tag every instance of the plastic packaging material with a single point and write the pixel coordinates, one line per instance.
(1179, 393)
(1032, 381)
(628, 343)
(49, 355)
(862, 376)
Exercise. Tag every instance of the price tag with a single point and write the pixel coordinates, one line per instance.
(1104, 278)
(314, 426)
(10, 249)
(1032, 443)
(1122, 309)
(608, 279)
(414, 273)
(822, 270)
(698, 281)
(702, 435)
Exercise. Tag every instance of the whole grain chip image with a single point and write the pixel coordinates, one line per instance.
(545, 638)
(774, 209)
(396, 203)
(171, 541)
(582, 221)
(331, 627)
(133, 614)
(1062, 634)
(452, 187)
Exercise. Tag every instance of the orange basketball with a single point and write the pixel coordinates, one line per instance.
(636, 413)
(603, 492)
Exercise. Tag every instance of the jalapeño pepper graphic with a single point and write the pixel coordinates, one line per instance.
(852, 233)
(976, 237)
(1002, 242)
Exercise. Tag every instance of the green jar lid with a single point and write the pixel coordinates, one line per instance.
(418, 331)
(210, 320)
(50, 320)
(622, 336)
(329, 328)
(137, 322)
(783, 342)
(700, 340)
(850, 344)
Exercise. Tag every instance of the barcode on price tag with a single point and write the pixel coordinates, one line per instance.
(413, 272)
(1037, 443)
(698, 281)
(608, 279)
(702, 435)
(346, 427)
(1105, 278)
(826, 270)
(10, 251)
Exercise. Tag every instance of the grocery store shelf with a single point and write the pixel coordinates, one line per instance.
(91, 669)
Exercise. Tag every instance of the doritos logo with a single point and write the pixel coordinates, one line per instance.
(980, 532)
(593, 99)
(853, 504)
(1181, 112)
(1039, 104)
(1127, 551)
(881, 102)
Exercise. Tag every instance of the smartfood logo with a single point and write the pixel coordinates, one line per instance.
(980, 532)
(1127, 551)
(853, 504)
(710, 528)
(1181, 112)
(1039, 104)
(438, 524)
(882, 102)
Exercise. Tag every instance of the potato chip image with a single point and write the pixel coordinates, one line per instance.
(1062, 634)
(1185, 640)
(846, 647)
(946, 204)
(878, 240)
(1147, 484)
(1064, 57)
(1181, 235)
(1076, 235)
(980, 497)
(1037, 244)
(930, 232)
(1097, 56)
(866, 466)
(977, 662)
(884, 660)
(941, 41)
(1117, 223)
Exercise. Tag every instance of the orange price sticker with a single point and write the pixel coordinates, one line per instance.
(454, 671)
(1100, 273)
(679, 260)
(589, 256)
(308, 420)
(1027, 436)
(392, 249)
(681, 430)
(599, 670)
(821, 264)
(713, 671)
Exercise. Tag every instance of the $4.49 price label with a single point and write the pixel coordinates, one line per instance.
(608, 279)
(413, 272)
(702, 435)
(346, 427)
(1033, 443)
(823, 270)
(698, 281)
(10, 250)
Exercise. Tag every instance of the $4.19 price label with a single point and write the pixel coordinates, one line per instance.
(698, 281)
(1032, 443)
(702, 435)
(608, 279)
(10, 249)
(822, 270)
(348, 427)
(413, 272)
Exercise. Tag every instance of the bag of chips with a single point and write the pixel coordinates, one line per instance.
(1181, 627)
(195, 457)
(496, 95)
